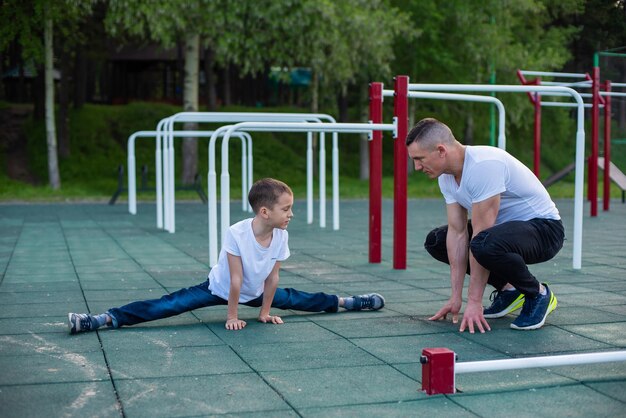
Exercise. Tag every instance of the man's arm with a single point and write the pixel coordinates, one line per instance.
(271, 283)
(457, 246)
(483, 216)
(236, 279)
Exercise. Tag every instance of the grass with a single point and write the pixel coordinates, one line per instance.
(98, 146)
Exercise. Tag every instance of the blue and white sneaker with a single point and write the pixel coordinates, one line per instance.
(535, 311)
(503, 302)
(372, 301)
(80, 323)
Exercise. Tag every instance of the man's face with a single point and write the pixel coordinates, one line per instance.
(429, 161)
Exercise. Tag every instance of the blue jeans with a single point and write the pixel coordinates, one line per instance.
(199, 296)
(506, 249)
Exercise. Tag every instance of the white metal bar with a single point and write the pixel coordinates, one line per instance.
(469, 98)
(553, 74)
(260, 126)
(535, 362)
(335, 168)
(563, 104)
(322, 179)
(309, 178)
(579, 84)
(612, 93)
(217, 117)
(580, 141)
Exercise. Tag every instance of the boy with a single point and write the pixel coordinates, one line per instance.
(246, 273)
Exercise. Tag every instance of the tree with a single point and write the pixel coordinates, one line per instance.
(22, 21)
(168, 22)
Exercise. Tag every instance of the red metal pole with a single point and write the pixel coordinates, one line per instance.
(592, 189)
(400, 164)
(537, 143)
(376, 174)
(606, 195)
(535, 99)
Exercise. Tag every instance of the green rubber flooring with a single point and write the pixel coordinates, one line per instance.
(62, 258)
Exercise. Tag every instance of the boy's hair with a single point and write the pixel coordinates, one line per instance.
(266, 192)
(429, 132)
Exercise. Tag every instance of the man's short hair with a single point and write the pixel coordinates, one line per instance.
(266, 192)
(429, 132)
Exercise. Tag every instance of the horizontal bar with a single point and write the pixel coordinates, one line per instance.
(611, 54)
(534, 362)
(388, 93)
(565, 104)
(612, 94)
(580, 84)
(553, 74)
(618, 84)
(313, 127)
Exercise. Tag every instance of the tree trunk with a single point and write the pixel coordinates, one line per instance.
(226, 85)
(80, 78)
(342, 104)
(190, 104)
(53, 164)
(64, 102)
(209, 76)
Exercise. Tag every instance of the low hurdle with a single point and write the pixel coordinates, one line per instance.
(334, 128)
(439, 366)
(165, 157)
(246, 162)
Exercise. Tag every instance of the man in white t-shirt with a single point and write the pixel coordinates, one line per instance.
(246, 273)
(513, 223)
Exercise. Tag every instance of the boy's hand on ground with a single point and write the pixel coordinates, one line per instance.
(451, 307)
(474, 315)
(235, 324)
(269, 318)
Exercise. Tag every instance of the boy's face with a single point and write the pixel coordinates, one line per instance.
(281, 214)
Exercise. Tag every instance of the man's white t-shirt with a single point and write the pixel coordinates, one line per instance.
(489, 171)
(257, 261)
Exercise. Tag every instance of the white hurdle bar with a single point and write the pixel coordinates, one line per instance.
(439, 366)
(246, 161)
(464, 98)
(335, 128)
(536, 362)
(580, 142)
(166, 191)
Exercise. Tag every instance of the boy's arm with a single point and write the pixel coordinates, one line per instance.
(271, 283)
(236, 279)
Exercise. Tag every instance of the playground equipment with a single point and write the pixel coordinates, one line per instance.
(439, 366)
(375, 248)
(599, 99)
(246, 161)
(228, 131)
(401, 90)
(165, 157)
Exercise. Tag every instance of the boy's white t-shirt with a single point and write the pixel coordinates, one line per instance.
(488, 171)
(257, 261)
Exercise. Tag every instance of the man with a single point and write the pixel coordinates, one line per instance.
(513, 223)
